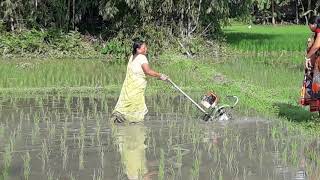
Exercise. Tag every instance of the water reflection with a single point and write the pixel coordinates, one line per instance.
(285, 172)
(301, 173)
(130, 139)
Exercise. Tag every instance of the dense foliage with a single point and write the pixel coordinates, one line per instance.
(53, 27)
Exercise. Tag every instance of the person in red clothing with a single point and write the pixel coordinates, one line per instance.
(312, 60)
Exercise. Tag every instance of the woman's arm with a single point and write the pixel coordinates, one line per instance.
(314, 48)
(148, 71)
(309, 44)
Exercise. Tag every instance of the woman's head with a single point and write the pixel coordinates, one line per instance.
(139, 47)
(314, 22)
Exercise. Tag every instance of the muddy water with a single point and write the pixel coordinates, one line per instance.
(70, 138)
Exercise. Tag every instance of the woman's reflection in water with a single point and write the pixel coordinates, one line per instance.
(131, 141)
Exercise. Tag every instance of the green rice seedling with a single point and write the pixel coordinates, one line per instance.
(177, 137)
(81, 158)
(26, 165)
(208, 147)
(294, 150)
(179, 155)
(236, 168)
(172, 173)
(184, 129)
(244, 175)
(216, 153)
(194, 143)
(261, 162)
(82, 107)
(82, 130)
(225, 144)
(276, 145)
(62, 144)
(106, 109)
(72, 117)
(284, 155)
(59, 98)
(2, 131)
(212, 174)
(148, 140)
(50, 174)
(310, 170)
(220, 174)
(52, 130)
(102, 156)
(19, 128)
(80, 139)
(12, 140)
(154, 145)
(161, 165)
(120, 172)
(263, 144)
(7, 157)
(169, 141)
(65, 129)
(230, 159)
(7, 122)
(71, 177)
(44, 154)
(92, 140)
(65, 158)
(4, 174)
(317, 162)
(238, 143)
(96, 114)
(74, 138)
(97, 175)
(12, 117)
(53, 101)
(28, 118)
(250, 150)
(88, 117)
(98, 127)
(195, 170)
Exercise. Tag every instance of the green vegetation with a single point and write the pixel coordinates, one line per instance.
(60, 77)
(35, 43)
(268, 38)
(60, 73)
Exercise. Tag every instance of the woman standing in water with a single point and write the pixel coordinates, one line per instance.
(131, 105)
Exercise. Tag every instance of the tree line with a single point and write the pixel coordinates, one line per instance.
(179, 17)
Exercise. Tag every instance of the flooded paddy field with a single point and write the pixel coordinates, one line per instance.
(68, 137)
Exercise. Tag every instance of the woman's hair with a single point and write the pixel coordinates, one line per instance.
(315, 20)
(136, 45)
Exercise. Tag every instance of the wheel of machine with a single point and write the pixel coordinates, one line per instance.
(223, 114)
